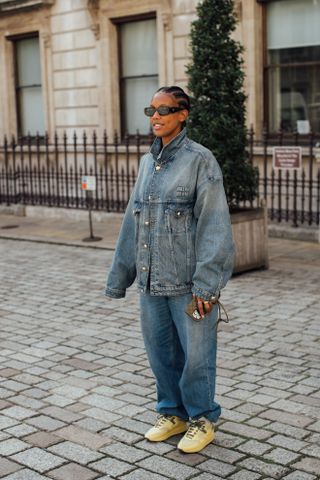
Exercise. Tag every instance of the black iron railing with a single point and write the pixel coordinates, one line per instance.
(39, 171)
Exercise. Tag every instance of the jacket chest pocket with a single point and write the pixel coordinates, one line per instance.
(178, 220)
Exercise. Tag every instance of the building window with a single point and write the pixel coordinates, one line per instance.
(138, 72)
(28, 87)
(293, 71)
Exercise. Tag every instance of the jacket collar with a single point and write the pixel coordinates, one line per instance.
(162, 155)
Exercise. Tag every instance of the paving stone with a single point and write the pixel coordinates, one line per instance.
(102, 402)
(42, 439)
(125, 452)
(315, 426)
(111, 466)
(245, 475)
(13, 385)
(7, 467)
(8, 372)
(192, 459)
(287, 442)
(312, 450)
(207, 476)
(122, 435)
(26, 475)
(288, 418)
(11, 446)
(44, 422)
(27, 402)
(282, 456)
(70, 392)
(216, 467)
(257, 422)
(83, 437)
(167, 467)
(246, 431)
(259, 466)
(288, 430)
(227, 440)
(299, 475)
(91, 424)
(222, 454)
(140, 474)
(83, 364)
(61, 414)
(6, 422)
(18, 413)
(76, 453)
(4, 404)
(158, 448)
(309, 464)
(254, 448)
(100, 414)
(73, 471)
(77, 407)
(38, 459)
(20, 430)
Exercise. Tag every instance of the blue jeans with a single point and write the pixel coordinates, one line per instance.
(182, 356)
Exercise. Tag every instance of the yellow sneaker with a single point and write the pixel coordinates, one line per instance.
(199, 435)
(165, 427)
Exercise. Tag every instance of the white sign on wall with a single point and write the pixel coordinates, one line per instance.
(88, 183)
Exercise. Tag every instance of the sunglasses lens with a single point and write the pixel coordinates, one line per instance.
(163, 110)
(149, 111)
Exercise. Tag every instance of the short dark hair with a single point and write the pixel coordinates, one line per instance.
(181, 96)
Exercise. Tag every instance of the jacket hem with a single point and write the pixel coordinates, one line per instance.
(168, 291)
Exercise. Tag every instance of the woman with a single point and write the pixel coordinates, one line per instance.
(176, 239)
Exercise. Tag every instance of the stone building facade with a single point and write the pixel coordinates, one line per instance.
(75, 65)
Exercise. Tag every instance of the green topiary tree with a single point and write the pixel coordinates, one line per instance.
(217, 117)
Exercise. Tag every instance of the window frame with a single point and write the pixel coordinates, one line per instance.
(266, 92)
(145, 138)
(17, 88)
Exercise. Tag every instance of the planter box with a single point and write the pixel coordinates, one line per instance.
(250, 230)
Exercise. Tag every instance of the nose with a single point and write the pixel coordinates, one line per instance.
(156, 114)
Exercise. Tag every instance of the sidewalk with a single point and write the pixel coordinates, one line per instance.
(68, 231)
(76, 392)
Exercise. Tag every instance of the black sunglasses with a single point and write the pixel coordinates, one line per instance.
(162, 110)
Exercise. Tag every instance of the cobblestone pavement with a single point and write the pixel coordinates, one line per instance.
(76, 393)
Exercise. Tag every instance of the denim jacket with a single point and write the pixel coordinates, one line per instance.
(176, 234)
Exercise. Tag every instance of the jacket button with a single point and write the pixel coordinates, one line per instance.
(144, 268)
(146, 222)
(178, 213)
(145, 245)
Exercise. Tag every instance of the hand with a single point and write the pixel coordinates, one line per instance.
(203, 306)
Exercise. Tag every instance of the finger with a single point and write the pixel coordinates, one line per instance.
(208, 306)
(200, 307)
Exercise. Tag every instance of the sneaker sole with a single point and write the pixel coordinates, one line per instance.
(196, 449)
(162, 437)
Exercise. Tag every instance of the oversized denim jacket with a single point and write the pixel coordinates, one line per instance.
(176, 228)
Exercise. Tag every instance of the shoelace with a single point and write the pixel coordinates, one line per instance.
(162, 419)
(194, 427)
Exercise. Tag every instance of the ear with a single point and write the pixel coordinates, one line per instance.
(183, 115)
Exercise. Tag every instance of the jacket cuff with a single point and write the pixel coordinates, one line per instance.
(205, 294)
(114, 293)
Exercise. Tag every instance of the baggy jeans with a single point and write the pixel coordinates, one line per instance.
(182, 355)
